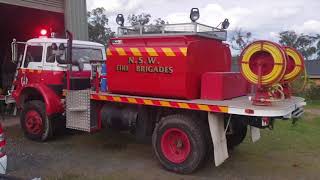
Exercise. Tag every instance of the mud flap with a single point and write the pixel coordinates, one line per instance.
(255, 134)
(218, 135)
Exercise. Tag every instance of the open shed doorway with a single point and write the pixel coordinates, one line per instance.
(22, 23)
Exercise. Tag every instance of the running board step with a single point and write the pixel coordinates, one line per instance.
(78, 111)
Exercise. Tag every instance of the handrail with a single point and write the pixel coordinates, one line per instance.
(173, 29)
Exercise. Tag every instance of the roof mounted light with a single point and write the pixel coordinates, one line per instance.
(120, 19)
(43, 32)
(225, 24)
(194, 14)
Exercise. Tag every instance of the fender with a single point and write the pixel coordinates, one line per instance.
(51, 99)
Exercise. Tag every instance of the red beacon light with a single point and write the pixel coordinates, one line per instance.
(43, 33)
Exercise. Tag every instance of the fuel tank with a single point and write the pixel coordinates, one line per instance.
(164, 66)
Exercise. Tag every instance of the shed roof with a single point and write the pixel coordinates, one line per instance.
(313, 67)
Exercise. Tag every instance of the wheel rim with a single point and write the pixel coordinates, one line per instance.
(33, 122)
(175, 145)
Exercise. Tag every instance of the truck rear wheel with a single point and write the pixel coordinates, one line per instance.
(179, 143)
(34, 121)
(239, 132)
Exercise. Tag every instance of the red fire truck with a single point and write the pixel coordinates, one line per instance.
(170, 83)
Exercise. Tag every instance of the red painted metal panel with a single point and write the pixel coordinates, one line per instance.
(223, 85)
(177, 66)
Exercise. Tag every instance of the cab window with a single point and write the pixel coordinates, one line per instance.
(84, 54)
(33, 54)
(51, 58)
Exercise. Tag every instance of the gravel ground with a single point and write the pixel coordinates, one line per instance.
(110, 155)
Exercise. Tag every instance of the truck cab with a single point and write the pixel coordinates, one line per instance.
(40, 78)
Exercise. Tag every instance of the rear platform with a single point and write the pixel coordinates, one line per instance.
(240, 105)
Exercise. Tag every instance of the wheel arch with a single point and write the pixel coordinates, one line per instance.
(52, 101)
(29, 94)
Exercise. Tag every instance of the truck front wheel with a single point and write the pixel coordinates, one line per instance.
(179, 143)
(34, 121)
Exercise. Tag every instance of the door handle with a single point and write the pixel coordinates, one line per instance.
(39, 66)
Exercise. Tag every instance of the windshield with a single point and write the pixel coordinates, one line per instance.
(86, 54)
(83, 54)
(33, 54)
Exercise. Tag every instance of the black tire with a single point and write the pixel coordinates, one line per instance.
(196, 137)
(239, 129)
(45, 131)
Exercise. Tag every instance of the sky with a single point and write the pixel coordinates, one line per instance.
(265, 19)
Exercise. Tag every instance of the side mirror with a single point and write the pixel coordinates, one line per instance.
(14, 51)
(69, 47)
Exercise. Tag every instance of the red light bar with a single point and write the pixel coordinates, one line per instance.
(43, 32)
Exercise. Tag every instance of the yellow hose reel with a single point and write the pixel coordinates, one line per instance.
(263, 63)
(295, 64)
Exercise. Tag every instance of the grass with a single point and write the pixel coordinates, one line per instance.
(313, 104)
(289, 147)
(290, 151)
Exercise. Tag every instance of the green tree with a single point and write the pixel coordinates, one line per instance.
(160, 21)
(305, 44)
(318, 46)
(98, 26)
(145, 19)
(157, 26)
(140, 19)
(240, 39)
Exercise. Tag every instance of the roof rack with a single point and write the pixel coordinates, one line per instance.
(173, 29)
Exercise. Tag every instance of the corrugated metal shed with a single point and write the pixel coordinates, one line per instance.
(48, 5)
(76, 18)
(313, 68)
(75, 13)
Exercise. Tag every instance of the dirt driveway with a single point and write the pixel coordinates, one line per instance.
(110, 155)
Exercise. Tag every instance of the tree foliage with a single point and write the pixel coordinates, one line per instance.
(145, 19)
(240, 39)
(160, 21)
(318, 46)
(307, 45)
(140, 19)
(98, 26)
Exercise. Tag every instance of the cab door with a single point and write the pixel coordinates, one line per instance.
(53, 73)
(32, 65)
